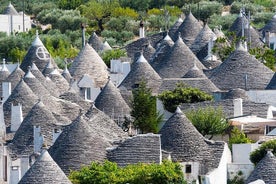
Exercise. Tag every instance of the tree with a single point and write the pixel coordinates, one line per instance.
(266, 55)
(112, 54)
(208, 121)
(182, 94)
(109, 172)
(144, 111)
(259, 153)
(238, 137)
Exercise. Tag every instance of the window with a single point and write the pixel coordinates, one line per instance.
(88, 93)
(188, 168)
(271, 45)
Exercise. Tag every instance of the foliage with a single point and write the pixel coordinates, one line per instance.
(144, 110)
(112, 54)
(208, 121)
(238, 137)
(265, 3)
(138, 5)
(224, 21)
(259, 153)
(238, 179)
(70, 4)
(266, 55)
(222, 48)
(204, 9)
(182, 94)
(261, 18)
(99, 11)
(253, 8)
(108, 172)
(124, 12)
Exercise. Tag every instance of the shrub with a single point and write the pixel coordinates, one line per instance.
(259, 153)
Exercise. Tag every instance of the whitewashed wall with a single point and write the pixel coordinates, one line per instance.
(14, 23)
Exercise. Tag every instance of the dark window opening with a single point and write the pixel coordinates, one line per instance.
(188, 168)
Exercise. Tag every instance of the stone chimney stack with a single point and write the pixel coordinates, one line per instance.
(267, 40)
(238, 110)
(142, 30)
(16, 117)
(38, 139)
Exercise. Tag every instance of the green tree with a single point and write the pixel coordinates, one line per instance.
(70, 4)
(208, 121)
(109, 172)
(237, 137)
(144, 110)
(266, 55)
(112, 54)
(182, 94)
(259, 153)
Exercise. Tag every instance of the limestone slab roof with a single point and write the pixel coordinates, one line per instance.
(66, 74)
(95, 42)
(39, 115)
(10, 10)
(140, 71)
(46, 171)
(15, 77)
(270, 26)
(82, 142)
(265, 170)
(272, 83)
(202, 39)
(241, 68)
(194, 72)
(111, 102)
(61, 83)
(38, 54)
(148, 52)
(252, 37)
(48, 84)
(237, 25)
(21, 94)
(249, 108)
(186, 144)
(173, 31)
(48, 69)
(189, 29)
(143, 148)
(178, 61)
(203, 84)
(89, 62)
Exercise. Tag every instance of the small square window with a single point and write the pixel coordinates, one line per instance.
(188, 168)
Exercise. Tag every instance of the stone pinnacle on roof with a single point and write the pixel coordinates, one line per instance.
(237, 25)
(65, 73)
(140, 71)
(195, 72)
(178, 61)
(265, 170)
(59, 81)
(48, 68)
(111, 102)
(46, 171)
(95, 42)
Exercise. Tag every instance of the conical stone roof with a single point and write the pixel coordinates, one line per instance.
(185, 143)
(10, 10)
(59, 81)
(78, 145)
(89, 62)
(178, 61)
(111, 102)
(23, 139)
(21, 94)
(48, 84)
(148, 52)
(241, 68)
(15, 77)
(237, 25)
(46, 171)
(236, 93)
(202, 39)
(195, 72)
(95, 42)
(48, 69)
(66, 74)
(161, 51)
(142, 71)
(264, 170)
(189, 29)
(270, 26)
(37, 54)
(253, 38)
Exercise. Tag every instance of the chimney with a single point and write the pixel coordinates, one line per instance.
(83, 34)
(2, 122)
(142, 30)
(267, 38)
(238, 107)
(16, 117)
(56, 133)
(6, 90)
(38, 139)
(15, 174)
